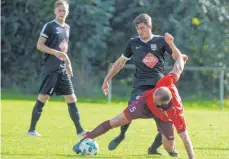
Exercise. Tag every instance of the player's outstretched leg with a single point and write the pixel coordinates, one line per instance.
(99, 130)
(117, 140)
(104, 127)
(36, 113)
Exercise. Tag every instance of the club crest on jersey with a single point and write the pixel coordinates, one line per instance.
(150, 60)
(63, 46)
(153, 47)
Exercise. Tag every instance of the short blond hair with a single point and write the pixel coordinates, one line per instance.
(61, 2)
(143, 18)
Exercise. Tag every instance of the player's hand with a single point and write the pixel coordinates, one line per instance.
(185, 57)
(69, 70)
(169, 38)
(62, 56)
(105, 87)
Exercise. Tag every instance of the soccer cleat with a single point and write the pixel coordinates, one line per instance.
(115, 142)
(173, 154)
(154, 152)
(76, 147)
(33, 133)
(82, 134)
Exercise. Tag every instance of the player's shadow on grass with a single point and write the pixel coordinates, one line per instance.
(212, 148)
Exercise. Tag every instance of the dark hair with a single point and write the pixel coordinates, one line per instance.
(143, 18)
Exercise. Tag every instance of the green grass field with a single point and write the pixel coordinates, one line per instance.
(208, 128)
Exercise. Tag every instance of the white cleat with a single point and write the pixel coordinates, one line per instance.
(33, 133)
(82, 134)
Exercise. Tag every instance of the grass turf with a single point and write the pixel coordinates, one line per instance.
(208, 129)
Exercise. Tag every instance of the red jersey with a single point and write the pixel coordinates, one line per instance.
(175, 112)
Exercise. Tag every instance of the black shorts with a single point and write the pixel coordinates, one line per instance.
(139, 110)
(137, 92)
(58, 83)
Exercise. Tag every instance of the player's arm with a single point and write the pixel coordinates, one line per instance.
(179, 122)
(177, 117)
(174, 75)
(43, 48)
(170, 41)
(115, 68)
(187, 143)
(178, 67)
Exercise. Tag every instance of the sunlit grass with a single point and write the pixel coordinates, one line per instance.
(208, 129)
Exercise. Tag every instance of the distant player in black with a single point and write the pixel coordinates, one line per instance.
(56, 68)
(148, 52)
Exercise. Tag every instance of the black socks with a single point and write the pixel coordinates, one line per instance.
(157, 142)
(124, 129)
(36, 113)
(74, 114)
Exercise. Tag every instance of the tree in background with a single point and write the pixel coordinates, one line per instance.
(99, 30)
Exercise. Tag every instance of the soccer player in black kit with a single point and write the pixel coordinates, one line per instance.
(56, 68)
(148, 52)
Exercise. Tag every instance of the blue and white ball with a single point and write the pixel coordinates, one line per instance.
(88, 147)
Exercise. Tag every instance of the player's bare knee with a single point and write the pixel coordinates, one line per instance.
(43, 98)
(70, 98)
(114, 123)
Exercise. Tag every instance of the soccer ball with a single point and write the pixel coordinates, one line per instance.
(88, 147)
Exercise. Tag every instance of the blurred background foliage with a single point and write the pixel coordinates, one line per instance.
(99, 32)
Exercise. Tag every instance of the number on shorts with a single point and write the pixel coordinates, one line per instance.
(132, 109)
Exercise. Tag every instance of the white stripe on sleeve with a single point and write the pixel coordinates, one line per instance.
(125, 57)
(42, 31)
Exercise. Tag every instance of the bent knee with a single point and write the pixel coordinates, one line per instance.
(43, 98)
(70, 98)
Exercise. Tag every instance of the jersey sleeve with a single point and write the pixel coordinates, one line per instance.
(127, 52)
(167, 80)
(167, 48)
(46, 31)
(178, 120)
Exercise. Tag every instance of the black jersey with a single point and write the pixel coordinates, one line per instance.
(148, 58)
(57, 36)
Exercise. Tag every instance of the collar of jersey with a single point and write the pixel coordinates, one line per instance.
(59, 23)
(146, 41)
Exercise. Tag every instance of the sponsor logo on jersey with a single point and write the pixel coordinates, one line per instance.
(153, 47)
(150, 60)
(63, 46)
(137, 47)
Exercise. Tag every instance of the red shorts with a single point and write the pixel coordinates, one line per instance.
(139, 110)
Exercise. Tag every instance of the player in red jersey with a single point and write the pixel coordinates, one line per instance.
(162, 103)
